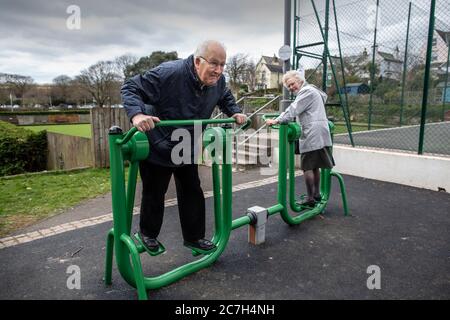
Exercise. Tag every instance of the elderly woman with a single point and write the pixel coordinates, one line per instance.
(308, 109)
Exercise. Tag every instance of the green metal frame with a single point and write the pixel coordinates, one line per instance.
(133, 147)
(288, 133)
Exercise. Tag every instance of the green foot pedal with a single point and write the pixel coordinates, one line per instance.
(160, 250)
(196, 251)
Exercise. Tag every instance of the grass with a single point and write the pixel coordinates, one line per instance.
(26, 199)
(79, 130)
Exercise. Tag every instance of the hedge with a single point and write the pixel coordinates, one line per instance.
(40, 112)
(21, 150)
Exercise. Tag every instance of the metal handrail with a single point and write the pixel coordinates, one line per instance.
(265, 106)
(250, 116)
(252, 135)
(221, 113)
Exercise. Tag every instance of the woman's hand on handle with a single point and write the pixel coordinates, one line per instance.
(271, 122)
(143, 122)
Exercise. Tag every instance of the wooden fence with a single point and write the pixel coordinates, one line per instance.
(101, 120)
(68, 152)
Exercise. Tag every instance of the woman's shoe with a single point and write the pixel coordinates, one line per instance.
(308, 203)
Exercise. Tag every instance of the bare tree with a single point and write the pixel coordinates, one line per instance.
(100, 80)
(19, 85)
(123, 62)
(61, 89)
(249, 75)
(236, 69)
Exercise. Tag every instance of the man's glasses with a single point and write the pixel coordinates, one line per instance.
(213, 64)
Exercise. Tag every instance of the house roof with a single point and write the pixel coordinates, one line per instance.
(275, 68)
(443, 34)
(272, 60)
(388, 57)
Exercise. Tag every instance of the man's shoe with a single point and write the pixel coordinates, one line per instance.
(202, 246)
(150, 243)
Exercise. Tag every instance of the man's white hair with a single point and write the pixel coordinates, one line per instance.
(293, 74)
(203, 47)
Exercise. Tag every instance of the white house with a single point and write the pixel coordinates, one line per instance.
(389, 65)
(269, 73)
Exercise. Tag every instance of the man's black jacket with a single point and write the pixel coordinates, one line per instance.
(172, 91)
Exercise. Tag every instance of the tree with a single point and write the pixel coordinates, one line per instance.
(19, 85)
(249, 76)
(123, 62)
(240, 71)
(101, 80)
(146, 63)
(61, 89)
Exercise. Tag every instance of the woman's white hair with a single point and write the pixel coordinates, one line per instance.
(203, 47)
(293, 74)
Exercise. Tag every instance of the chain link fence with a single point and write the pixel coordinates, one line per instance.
(377, 67)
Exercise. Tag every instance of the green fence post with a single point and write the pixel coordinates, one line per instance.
(405, 66)
(427, 77)
(446, 78)
(372, 71)
(325, 46)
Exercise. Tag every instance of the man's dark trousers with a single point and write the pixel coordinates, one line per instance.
(191, 201)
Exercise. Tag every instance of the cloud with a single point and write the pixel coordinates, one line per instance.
(35, 40)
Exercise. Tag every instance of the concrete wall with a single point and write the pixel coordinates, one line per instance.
(420, 171)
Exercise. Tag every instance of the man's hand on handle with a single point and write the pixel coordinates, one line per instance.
(143, 122)
(240, 118)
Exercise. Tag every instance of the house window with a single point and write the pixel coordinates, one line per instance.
(434, 57)
(434, 41)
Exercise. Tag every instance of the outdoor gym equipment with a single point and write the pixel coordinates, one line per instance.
(133, 147)
(288, 134)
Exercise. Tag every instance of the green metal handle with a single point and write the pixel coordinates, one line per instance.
(170, 123)
(271, 116)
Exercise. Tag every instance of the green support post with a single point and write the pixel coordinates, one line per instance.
(402, 101)
(444, 97)
(372, 71)
(426, 83)
(325, 45)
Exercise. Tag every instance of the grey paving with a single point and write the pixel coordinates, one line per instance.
(402, 230)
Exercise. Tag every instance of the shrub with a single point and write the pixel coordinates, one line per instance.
(21, 150)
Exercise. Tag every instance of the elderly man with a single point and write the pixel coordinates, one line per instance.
(181, 89)
(315, 143)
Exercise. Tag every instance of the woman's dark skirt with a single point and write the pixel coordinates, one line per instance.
(322, 158)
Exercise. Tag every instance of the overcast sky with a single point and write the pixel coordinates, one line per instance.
(35, 40)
